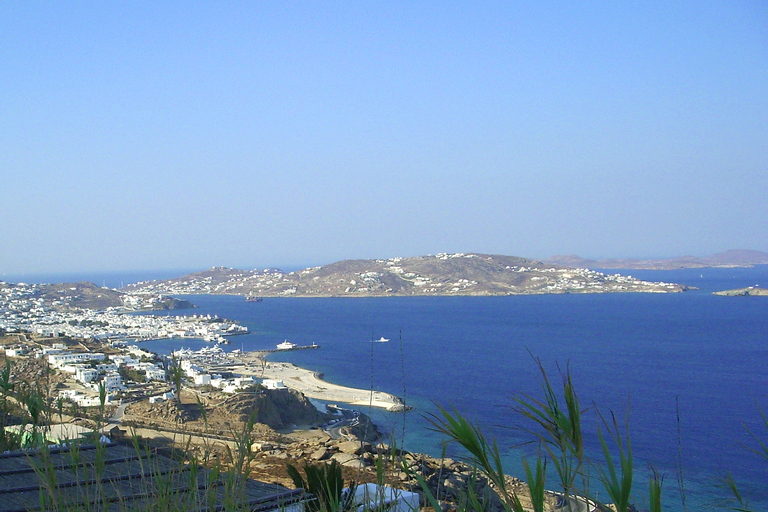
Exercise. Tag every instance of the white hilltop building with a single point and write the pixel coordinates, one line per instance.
(62, 359)
(85, 374)
(155, 374)
(273, 384)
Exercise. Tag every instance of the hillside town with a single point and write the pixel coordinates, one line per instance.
(97, 348)
(24, 308)
(433, 275)
(93, 374)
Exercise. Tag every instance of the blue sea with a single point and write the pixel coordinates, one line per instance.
(690, 369)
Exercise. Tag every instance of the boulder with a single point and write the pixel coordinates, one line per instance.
(346, 459)
(320, 454)
(262, 447)
(353, 447)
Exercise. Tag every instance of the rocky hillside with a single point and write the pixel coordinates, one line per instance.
(442, 274)
(79, 295)
(731, 258)
(277, 409)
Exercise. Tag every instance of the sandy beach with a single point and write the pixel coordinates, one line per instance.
(313, 386)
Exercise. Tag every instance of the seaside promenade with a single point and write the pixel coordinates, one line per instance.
(313, 386)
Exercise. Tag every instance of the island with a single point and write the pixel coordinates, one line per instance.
(750, 291)
(727, 259)
(457, 274)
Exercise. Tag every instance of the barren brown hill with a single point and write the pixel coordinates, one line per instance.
(441, 274)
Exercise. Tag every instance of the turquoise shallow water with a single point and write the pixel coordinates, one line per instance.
(694, 356)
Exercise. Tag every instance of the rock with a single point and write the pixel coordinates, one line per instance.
(353, 447)
(345, 459)
(262, 447)
(320, 454)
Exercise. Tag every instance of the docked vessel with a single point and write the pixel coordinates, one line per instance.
(252, 298)
(286, 345)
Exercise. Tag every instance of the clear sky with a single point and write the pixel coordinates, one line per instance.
(150, 135)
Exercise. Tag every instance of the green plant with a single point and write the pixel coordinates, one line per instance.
(8, 439)
(557, 427)
(326, 483)
(618, 486)
(536, 480)
(742, 504)
(484, 455)
(655, 482)
(176, 374)
(241, 458)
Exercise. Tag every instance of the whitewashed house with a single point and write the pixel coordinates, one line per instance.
(15, 352)
(86, 374)
(155, 374)
(59, 360)
(113, 382)
(273, 384)
(202, 379)
(243, 382)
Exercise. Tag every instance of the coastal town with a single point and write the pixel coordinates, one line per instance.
(93, 378)
(100, 349)
(24, 307)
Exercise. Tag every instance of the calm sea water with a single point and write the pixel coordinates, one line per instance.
(693, 356)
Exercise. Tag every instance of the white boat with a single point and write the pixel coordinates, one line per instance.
(286, 345)
(382, 340)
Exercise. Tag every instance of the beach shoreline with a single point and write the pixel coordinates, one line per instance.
(312, 385)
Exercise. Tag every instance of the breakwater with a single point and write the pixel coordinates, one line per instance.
(304, 347)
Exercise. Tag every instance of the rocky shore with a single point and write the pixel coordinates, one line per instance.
(288, 431)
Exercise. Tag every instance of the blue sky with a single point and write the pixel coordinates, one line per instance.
(150, 135)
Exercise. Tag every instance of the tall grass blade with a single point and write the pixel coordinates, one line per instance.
(483, 454)
(536, 481)
(556, 426)
(617, 485)
(654, 491)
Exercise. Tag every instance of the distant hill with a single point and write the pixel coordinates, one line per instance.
(751, 291)
(441, 274)
(731, 258)
(79, 295)
(70, 297)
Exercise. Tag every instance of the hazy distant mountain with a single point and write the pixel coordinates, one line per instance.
(731, 258)
(442, 274)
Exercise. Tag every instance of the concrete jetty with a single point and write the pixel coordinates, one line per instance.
(304, 347)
